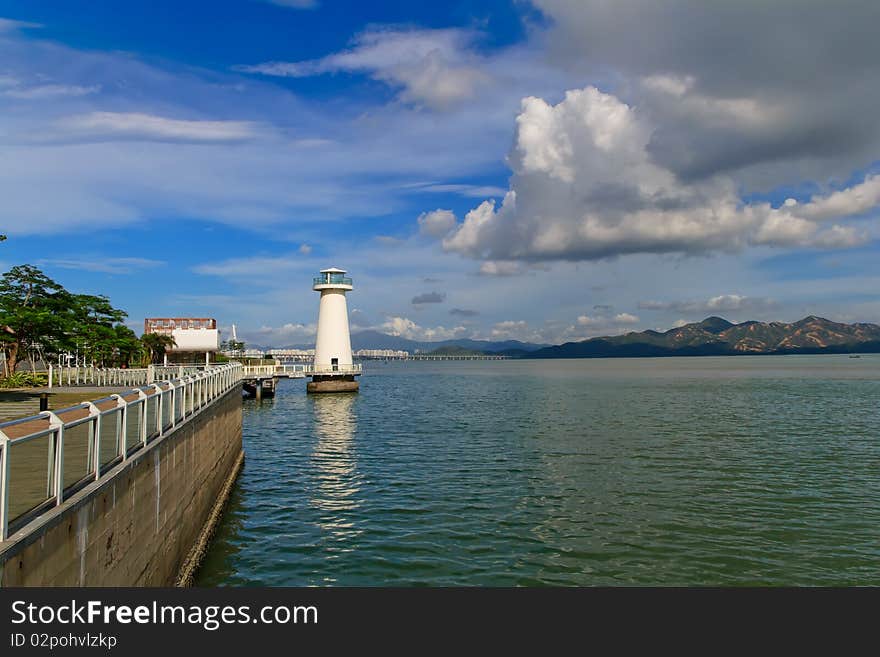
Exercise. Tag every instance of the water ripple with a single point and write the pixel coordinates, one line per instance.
(731, 471)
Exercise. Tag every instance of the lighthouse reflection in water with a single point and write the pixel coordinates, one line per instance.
(336, 480)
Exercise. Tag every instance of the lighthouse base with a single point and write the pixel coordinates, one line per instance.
(325, 383)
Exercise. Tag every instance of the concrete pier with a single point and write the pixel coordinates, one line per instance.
(323, 383)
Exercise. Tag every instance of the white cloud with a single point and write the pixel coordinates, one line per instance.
(470, 191)
(431, 67)
(104, 265)
(436, 223)
(854, 200)
(501, 268)
(509, 329)
(50, 91)
(585, 186)
(148, 127)
(8, 25)
(286, 334)
(389, 241)
(600, 321)
(247, 266)
(719, 303)
(406, 328)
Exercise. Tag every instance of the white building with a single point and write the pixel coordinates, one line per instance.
(194, 335)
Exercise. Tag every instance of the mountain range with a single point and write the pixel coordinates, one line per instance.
(717, 336)
(375, 340)
(712, 336)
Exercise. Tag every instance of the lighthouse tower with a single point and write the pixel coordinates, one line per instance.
(333, 369)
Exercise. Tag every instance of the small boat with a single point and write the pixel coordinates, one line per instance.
(854, 356)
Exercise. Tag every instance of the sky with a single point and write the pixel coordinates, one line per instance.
(545, 171)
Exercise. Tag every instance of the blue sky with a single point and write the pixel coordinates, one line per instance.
(545, 171)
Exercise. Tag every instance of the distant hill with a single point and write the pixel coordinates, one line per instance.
(453, 350)
(377, 340)
(717, 336)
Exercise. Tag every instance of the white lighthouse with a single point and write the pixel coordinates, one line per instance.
(333, 369)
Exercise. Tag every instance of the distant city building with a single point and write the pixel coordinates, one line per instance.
(195, 335)
(381, 353)
(292, 353)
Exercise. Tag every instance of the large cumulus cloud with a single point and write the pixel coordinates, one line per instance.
(586, 185)
(774, 91)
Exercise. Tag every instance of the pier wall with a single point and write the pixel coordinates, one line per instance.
(148, 522)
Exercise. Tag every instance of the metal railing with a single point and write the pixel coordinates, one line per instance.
(175, 371)
(96, 376)
(331, 279)
(114, 376)
(357, 368)
(46, 458)
(299, 370)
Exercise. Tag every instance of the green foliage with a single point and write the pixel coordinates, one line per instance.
(454, 350)
(24, 380)
(232, 346)
(38, 313)
(155, 345)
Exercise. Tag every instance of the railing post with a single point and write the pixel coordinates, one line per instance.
(56, 423)
(160, 404)
(95, 412)
(122, 436)
(142, 399)
(173, 404)
(50, 376)
(4, 486)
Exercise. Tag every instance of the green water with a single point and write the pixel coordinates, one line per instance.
(684, 471)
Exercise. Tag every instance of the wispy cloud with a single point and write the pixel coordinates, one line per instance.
(295, 4)
(50, 91)
(104, 265)
(10, 25)
(235, 267)
(435, 68)
(148, 127)
(720, 303)
(469, 191)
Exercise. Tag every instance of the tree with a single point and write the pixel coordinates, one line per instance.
(234, 347)
(128, 347)
(156, 344)
(32, 313)
(38, 313)
(96, 330)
